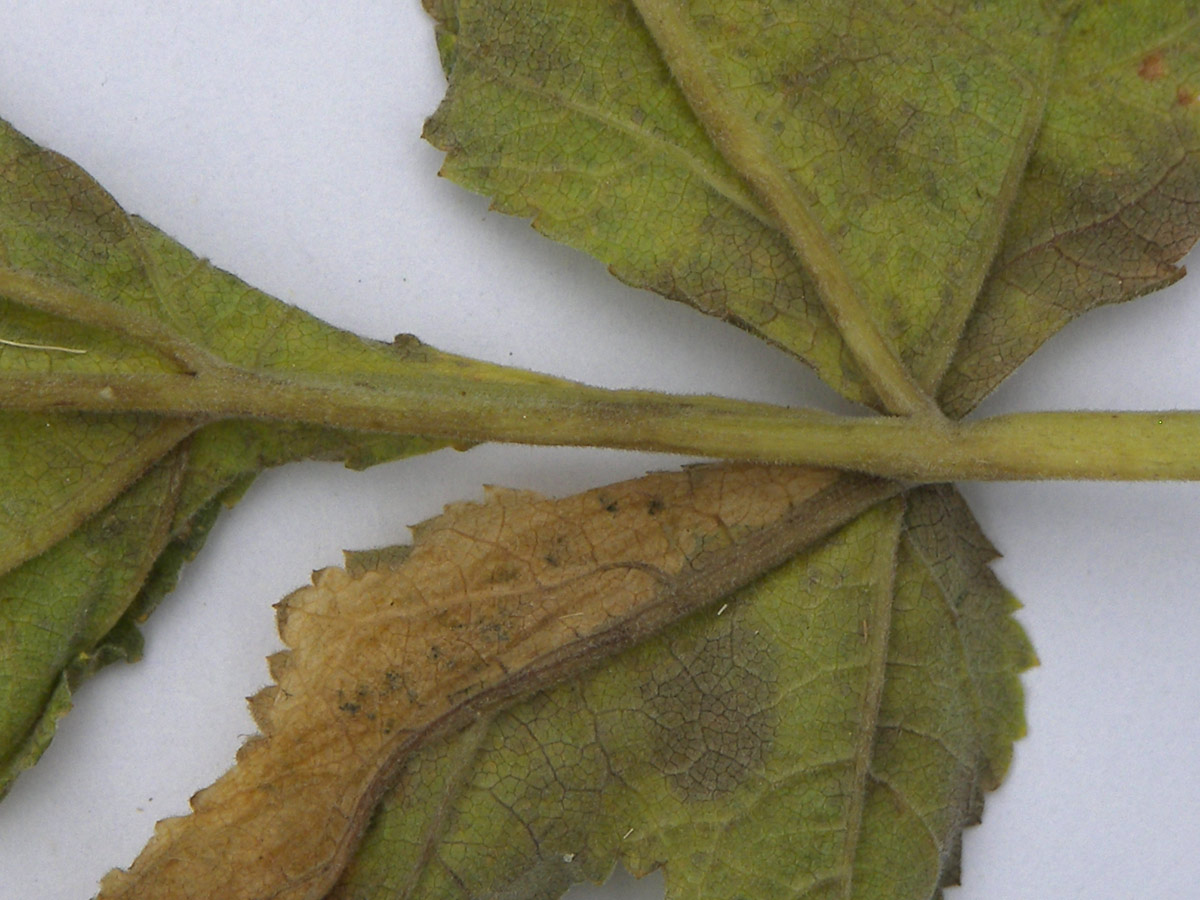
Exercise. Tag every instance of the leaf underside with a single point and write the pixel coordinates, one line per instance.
(827, 732)
(99, 511)
(986, 172)
(492, 601)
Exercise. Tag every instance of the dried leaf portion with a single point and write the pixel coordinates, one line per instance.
(493, 601)
(826, 732)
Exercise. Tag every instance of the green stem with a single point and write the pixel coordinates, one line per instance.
(1127, 446)
(739, 140)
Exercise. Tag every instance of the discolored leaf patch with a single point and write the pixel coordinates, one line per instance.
(711, 712)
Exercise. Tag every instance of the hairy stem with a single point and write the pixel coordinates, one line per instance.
(1026, 446)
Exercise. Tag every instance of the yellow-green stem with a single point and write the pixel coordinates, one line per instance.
(1026, 446)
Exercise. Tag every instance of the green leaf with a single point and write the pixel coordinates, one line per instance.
(1111, 198)
(826, 733)
(99, 511)
(853, 105)
(62, 610)
(933, 146)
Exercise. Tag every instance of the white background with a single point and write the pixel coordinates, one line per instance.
(280, 139)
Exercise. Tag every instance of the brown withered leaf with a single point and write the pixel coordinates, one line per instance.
(492, 602)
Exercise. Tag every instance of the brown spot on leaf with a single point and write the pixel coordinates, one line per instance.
(1153, 67)
(1187, 96)
(506, 572)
